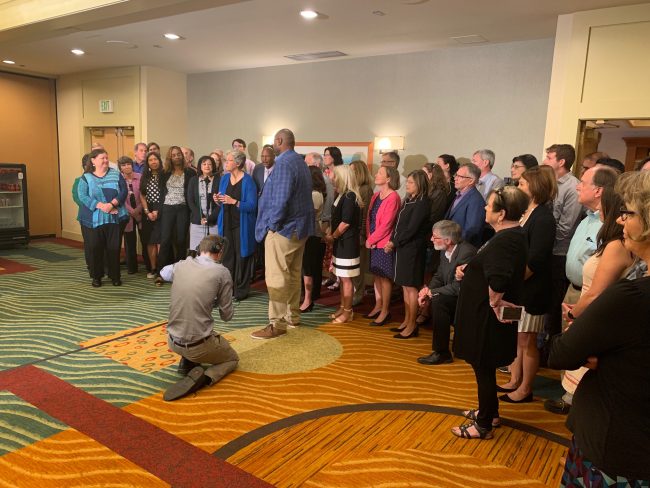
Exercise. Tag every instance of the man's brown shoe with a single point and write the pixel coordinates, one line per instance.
(268, 332)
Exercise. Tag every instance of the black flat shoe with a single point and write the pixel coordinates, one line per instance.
(415, 333)
(435, 358)
(527, 399)
(381, 322)
(96, 283)
(501, 389)
(371, 316)
(309, 308)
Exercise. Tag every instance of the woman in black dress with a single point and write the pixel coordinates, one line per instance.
(493, 279)
(540, 184)
(409, 242)
(151, 197)
(346, 221)
(203, 209)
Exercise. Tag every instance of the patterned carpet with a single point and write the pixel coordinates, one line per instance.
(82, 372)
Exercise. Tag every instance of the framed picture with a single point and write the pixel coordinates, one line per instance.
(351, 151)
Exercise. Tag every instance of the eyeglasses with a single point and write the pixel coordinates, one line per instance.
(517, 166)
(437, 237)
(625, 213)
(461, 176)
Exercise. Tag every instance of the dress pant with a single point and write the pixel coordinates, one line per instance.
(87, 253)
(488, 403)
(443, 309)
(104, 240)
(175, 224)
(215, 350)
(241, 269)
(553, 319)
(130, 247)
(312, 263)
(283, 259)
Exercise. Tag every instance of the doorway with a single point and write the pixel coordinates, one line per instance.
(118, 141)
(627, 140)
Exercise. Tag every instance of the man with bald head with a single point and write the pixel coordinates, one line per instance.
(284, 221)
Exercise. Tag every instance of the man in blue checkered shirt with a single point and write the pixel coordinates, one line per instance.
(284, 221)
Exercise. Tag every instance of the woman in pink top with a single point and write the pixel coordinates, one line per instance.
(384, 206)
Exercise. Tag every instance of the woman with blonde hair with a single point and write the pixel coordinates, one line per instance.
(364, 180)
(346, 219)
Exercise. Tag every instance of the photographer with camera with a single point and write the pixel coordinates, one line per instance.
(199, 284)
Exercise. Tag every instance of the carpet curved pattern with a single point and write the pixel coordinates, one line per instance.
(329, 405)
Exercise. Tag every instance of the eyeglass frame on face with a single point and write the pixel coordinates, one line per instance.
(624, 213)
(462, 176)
(517, 165)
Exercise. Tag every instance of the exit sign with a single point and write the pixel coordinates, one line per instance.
(106, 106)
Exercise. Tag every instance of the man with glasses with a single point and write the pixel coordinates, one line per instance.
(442, 292)
(468, 208)
(583, 245)
(391, 160)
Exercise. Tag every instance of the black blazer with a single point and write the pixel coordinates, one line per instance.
(444, 280)
(194, 202)
(540, 232)
(258, 177)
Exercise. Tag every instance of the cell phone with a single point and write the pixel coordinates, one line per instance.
(510, 313)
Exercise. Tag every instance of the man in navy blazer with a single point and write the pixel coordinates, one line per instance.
(444, 288)
(468, 208)
(264, 169)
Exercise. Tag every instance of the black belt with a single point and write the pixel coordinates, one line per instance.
(190, 344)
(577, 288)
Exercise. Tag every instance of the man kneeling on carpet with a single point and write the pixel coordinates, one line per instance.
(198, 284)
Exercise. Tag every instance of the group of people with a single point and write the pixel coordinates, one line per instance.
(525, 268)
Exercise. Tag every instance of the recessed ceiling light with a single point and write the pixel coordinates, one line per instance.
(309, 14)
(77, 52)
(172, 37)
(8, 61)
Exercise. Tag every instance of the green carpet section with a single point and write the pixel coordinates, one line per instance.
(22, 424)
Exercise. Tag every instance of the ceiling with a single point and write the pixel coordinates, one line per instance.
(238, 34)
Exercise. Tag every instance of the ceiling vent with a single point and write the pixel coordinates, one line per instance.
(473, 39)
(315, 56)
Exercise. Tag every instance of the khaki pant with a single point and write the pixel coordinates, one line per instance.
(283, 260)
(215, 351)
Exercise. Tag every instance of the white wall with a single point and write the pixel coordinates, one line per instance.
(449, 100)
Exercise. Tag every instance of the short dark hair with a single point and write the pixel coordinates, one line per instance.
(240, 141)
(202, 159)
(563, 151)
(124, 160)
(90, 167)
(527, 160)
(394, 156)
(512, 200)
(612, 163)
(335, 152)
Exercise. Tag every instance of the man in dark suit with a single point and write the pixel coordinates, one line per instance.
(443, 289)
(260, 175)
(264, 169)
(468, 208)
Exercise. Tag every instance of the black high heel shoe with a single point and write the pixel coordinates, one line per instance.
(371, 316)
(308, 309)
(381, 322)
(397, 329)
(415, 333)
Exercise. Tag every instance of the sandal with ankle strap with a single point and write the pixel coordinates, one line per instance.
(473, 413)
(463, 432)
(338, 312)
(338, 320)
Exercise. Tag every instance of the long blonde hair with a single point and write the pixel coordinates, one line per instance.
(345, 180)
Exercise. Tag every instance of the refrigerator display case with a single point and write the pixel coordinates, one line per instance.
(14, 221)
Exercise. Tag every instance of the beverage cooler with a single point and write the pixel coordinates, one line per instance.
(14, 221)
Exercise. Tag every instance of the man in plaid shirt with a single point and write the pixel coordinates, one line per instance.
(284, 221)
